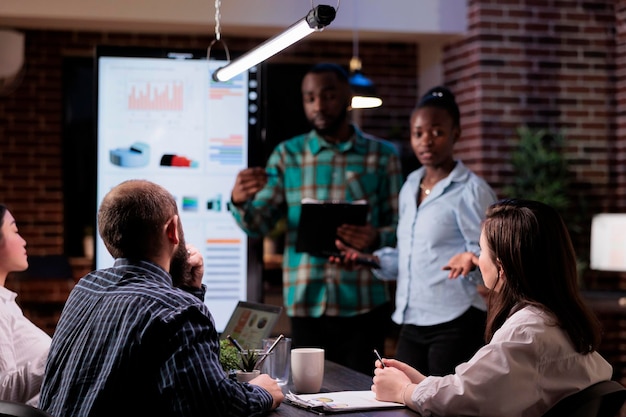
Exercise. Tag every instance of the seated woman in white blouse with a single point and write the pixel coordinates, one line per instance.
(542, 339)
(23, 346)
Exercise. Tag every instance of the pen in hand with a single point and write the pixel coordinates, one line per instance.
(379, 358)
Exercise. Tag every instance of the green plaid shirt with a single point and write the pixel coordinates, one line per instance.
(307, 166)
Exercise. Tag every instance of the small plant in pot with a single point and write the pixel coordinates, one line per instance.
(247, 365)
(249, 359)
(238, 363)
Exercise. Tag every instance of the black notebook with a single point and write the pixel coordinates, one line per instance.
(319, 220)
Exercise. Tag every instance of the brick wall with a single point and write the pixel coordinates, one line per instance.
(618, 147)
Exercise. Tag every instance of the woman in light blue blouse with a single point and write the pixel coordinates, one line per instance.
(442, 205)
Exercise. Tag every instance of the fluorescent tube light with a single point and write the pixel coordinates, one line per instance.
(316, 20)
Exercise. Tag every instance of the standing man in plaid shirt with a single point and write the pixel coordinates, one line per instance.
(344, 312)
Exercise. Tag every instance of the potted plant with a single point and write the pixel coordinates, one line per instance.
(249, 359)
(540, 168)
(239, 364)
(541, 173)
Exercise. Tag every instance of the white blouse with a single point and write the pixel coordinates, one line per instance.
(23, 352)
(529, 365)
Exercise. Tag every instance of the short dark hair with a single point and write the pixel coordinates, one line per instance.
(336, 69)
(441, 97)
(532, 244)
(131, 218)
(3, 211)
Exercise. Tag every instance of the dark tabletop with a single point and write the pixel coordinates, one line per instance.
(340, 378)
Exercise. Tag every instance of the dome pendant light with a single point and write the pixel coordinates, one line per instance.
(363, 89)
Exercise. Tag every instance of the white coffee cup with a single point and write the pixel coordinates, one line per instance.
(307, 369)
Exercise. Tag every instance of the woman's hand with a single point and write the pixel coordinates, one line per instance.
(413, 374)
(461, 264)
(395, 381)
(389, 383)
(347, 256)
(350, 258)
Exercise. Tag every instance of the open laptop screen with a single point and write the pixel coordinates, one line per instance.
(251, 322)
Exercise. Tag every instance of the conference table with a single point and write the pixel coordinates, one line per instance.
(340, 378)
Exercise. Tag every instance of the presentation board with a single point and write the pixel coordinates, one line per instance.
(161, 117)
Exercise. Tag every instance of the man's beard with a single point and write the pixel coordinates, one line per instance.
(333, 127)
(180, 270)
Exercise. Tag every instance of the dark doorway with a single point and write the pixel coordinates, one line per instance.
(282, 104)
(79, 153)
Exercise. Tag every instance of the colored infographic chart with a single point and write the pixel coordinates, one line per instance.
(165, 120)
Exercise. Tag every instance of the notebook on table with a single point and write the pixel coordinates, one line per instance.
(251, 322)
(339, 402)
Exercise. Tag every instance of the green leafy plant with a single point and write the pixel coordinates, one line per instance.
(249, 359)
(541, 173)
(232, 359)
(229, 356)
(540, 168)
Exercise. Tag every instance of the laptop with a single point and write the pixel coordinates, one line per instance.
(251, 322)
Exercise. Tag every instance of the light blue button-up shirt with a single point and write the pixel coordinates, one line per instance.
(446, 223)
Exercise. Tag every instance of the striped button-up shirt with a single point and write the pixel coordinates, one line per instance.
(307, 166)
(130, 344)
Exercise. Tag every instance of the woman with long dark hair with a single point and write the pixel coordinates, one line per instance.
(542, 338)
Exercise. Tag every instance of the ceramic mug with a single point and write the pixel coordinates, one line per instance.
(307, 369)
